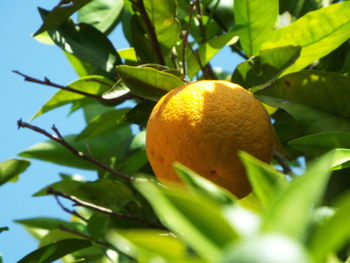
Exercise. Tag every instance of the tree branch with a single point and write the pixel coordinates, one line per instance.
(65, 209)
(151, 31)
(101, 209)
(59, 139)
(48, 82)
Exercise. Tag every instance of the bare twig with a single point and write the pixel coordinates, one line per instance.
(185, 37)
(282, 161)
(59, 139)
(72, 212)
(151, 31)
(198, 59)
(238, 51)
(101, 209)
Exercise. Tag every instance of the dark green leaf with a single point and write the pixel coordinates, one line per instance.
(10, 169)
(162, 14)
(55, 251)
(4, 228)
(140, 113)
(148, 82)
(102, 123)
(202, 186)
(119, 89)
(86, 84)
(194, 219)
(290, 213)
(102, 14)
(261, 70)
(318, 33)
(104, 147)
(60, 14)
(64, 186)
(336, 230)
(87, 43)
(258, 20)
(267, 182)
(134, 162)
(317, 144)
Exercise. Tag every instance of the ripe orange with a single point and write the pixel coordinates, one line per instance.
(202, 125)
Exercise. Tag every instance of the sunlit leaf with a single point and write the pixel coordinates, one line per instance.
(290, 213)
(146, 245)
(193, 219)
(318, 33)
(336, 230)
(258, 20)
(54, 251)
(162, 14)
(59, 14)
(208, 50)
(48, 223)
(267, 183)
(262, 69)
(102, 14)
(148, 82)
(202, 186)
(10, 169)
(64, 186)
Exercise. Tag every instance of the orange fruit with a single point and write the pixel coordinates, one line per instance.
(203, 125)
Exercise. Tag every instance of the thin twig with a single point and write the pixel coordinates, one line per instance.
(282, 161)
(238, 51)
(48, 82)
(151, 31)
(59, 139)
(74, 232)
(185, 37)
(101, 209)
(72, 212)
(198, 59)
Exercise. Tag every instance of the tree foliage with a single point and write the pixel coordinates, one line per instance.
(296, 61)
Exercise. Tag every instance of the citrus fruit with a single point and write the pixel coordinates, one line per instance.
(203, 125)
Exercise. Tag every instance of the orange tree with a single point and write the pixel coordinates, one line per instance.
(296, 62)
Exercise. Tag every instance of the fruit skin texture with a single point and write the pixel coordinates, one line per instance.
(203, 125)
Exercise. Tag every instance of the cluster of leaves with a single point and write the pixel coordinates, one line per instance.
(296, 60)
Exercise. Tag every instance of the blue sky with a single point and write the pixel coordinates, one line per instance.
(19, 99)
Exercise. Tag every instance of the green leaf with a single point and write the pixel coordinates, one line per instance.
(194, 219)
(118, 90)
(267, 183)
(208, 50)
(85, 42)
(336, 230)
(134, 162)
(140, 113)
(128, 54)
(258, 20)
(148, 82)
(10, 169)
(4, 228)
(48, 223)
(318, 33)
(325, 91)
(102, 123)
(102, 14)
(82, 68)
(162, 14)
(200, 185)
(55, 251)
(64, 186)
(146, 245)
(290, 213)
(103, 148)
(60, 14)
(265, 68)
(86, 84)
(317, 144)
